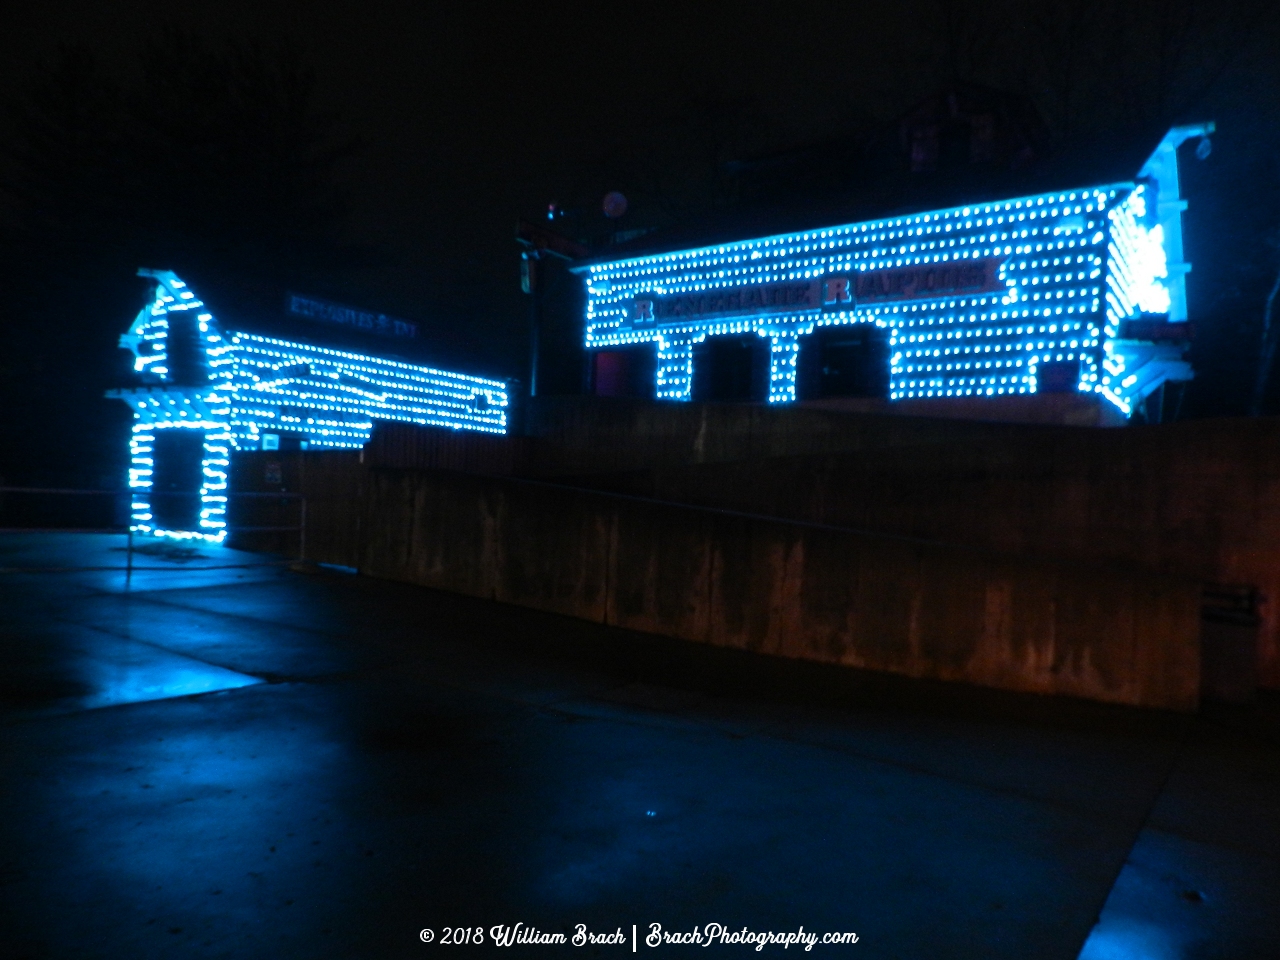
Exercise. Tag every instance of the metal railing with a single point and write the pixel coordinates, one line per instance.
(300, 528)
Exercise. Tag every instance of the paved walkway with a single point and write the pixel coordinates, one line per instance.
(223, 758)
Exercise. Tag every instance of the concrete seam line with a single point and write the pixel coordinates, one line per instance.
(138, 569)
(1146, 820)
(146, 596)
(157, 646)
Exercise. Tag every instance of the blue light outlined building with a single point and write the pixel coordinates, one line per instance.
(1083, 286)
(218, 390)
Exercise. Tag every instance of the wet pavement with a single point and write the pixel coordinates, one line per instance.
(228, 757)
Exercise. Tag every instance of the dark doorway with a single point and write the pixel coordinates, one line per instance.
(625, 373)
(177, 474)
(846, 361)
(731, 368)
(184, 351)
(1058, 377)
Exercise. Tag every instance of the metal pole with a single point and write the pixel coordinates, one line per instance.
(535, 319)
(1268, 353)
(302, 494)
(128, 570)
(1182, 393)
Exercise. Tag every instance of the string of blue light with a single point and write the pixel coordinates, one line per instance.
(1061, 252)
(261, 385)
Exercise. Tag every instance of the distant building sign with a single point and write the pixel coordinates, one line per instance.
(961, 277)
(756, 300)
(336, 313)
(930, 280)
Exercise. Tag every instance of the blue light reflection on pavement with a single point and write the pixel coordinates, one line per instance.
(1133, 940)
(98, 562)
(83, 668)
(416, 758)
(1197, 892)
(145, 673)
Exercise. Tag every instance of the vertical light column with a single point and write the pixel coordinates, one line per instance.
(141, 469)
(675, 368)
(784, 350)
(213, 490)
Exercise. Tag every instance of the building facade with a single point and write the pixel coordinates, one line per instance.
(207, 391)
(1079, 290)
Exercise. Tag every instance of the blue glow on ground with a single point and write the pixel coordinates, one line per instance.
(1130, 941)
(138, 672)
(420, 757)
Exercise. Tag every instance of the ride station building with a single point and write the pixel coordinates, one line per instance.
(1076, 287)
(208, 390)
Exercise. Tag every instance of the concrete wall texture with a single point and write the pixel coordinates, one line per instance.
(1199, 499)
(772, 586)
(567, 436)
(875, 602)
(1030, 557)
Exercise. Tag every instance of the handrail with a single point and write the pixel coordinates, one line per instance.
(284, 494)
(58, 490)
(300, 529)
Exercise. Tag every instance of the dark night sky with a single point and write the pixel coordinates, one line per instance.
(475, 113)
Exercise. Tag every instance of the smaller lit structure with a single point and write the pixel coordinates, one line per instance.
(225, 390)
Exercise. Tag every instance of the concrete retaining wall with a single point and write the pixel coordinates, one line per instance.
(1200, 499)
(882, 603)
(567, 436)
(1079, 571)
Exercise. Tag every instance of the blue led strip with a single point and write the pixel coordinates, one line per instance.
(213, 499)
(1061, 256)
(675, 367)
(333, 396)
(148, 337)
(259, 385)
(784, 352)
(1137, 285)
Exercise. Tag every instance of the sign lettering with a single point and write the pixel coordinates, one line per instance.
(930, 280)
(959, 278)
(765, 299)
(377, 323)
(837, 291)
